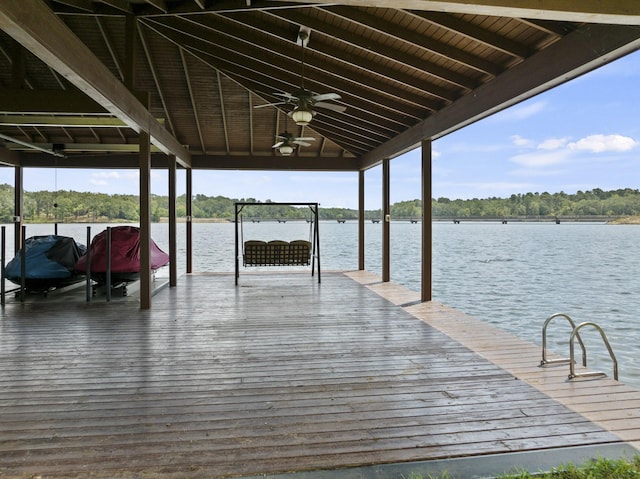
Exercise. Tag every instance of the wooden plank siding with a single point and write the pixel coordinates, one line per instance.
(277, 374)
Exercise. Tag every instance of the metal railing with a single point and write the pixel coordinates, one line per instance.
(546, 361)
(574, 334)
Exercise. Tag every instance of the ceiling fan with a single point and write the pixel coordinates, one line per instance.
(288, 142)
(305, 100)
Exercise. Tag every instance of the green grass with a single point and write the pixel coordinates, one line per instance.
(593, 469)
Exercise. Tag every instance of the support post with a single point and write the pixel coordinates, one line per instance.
(145, 220)
(236, 258)
(386, 221)
(173, 218)
(88, 285)
(189, 227)
(427, 224)
(18, 208)
(361, 209)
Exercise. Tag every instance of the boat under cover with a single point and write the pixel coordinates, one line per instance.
(49, 263)
(125, 256)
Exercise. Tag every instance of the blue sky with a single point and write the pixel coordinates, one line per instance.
(582, 135)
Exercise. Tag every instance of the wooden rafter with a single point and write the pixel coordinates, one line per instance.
(156, 78)
(375, 45)
(372, 22)
(110, 47)
(192, 99)
(223, 112)
(239, 57)
(344, 57)
(492, 40)
(57, 46)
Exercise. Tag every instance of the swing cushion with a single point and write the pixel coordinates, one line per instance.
(255, 253)
(278, 252)
(300, 252)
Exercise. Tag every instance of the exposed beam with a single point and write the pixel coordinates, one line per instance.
(115, 161)
(64, 121)
(621, 12)
(59, 48)
(48, 101)
(8, 157)
(31, 146)
(209, 162)
(583, 50)
(83, 147)
(284, 163)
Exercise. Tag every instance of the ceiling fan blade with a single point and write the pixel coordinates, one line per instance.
(305, 138)
(331, 106)
(278, 145)
(326, 96)
(303, 143)
(288, 96)
(270, 104)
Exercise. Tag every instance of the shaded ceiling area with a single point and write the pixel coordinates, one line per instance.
(215, 82)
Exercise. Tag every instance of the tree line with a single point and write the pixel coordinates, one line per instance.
(73, 206)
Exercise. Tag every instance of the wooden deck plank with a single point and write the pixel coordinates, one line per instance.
(277, 374)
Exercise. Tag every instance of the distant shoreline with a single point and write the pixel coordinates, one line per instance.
(626, 220)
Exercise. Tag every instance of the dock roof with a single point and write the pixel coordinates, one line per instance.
(81, 78)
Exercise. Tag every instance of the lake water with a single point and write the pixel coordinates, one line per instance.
(513, 276)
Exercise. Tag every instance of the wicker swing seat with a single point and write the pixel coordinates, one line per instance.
(277, 253)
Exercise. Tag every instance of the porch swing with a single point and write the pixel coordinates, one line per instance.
(277, 252)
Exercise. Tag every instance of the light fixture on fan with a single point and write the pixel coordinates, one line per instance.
(302, 115)
(305, 101)
(285, 149)
(287, 144)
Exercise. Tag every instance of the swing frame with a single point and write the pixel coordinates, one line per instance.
(271, 255)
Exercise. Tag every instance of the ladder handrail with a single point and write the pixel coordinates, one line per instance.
(544, 360)
(574, 334)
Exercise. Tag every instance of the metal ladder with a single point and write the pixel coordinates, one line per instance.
(575, 334)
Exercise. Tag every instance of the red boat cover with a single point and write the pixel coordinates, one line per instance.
(125, 252)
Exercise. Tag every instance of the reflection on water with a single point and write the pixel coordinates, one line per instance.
(513, 276)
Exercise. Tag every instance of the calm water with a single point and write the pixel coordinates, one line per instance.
(513, 276)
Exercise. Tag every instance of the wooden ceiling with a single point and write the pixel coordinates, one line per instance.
(81, 78)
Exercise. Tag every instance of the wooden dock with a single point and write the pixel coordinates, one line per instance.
(281, 374)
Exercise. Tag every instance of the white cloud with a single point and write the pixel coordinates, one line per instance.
(104, 178)
(520, 141)
(604, 143)
(553, 143)
(541, 159)
(537, 172)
